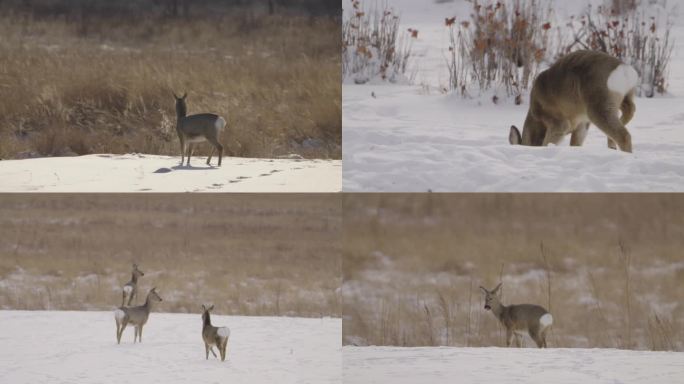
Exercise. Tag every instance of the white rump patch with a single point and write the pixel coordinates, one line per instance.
(223, 332)
(119, 314)
(546, 320)
(623, 79)
(128, 289)
(220, 123)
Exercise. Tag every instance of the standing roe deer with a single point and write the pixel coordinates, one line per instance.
(196, 129)
(135, 315)
(581, 87)
(130, 289)
(530, 318)
(217, 336)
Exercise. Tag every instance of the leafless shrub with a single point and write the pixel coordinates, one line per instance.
(372, 45)
(500, 47)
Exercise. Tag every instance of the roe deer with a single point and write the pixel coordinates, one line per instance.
(130, 289)
(135, 315)
(196, 129)
(530, 318)
(213, 336)
(580, 88)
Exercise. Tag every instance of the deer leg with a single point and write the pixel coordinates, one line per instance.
(140, 334)
(130, 298)
(214, 141)
(579, 134)
(555, 131)
(182, 145)
(210, 155)
(627, 108)
(223, 349)
(535, 334)
(123, 298)
(543, 339)
(509, 337)
(191, 147)
(211, 349)
(518, 340)
(604, 116)
(206, 350)
(123, 326)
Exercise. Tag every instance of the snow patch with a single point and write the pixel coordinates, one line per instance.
(80, 347)
(448, 365)
(623, 79)
(154, 173)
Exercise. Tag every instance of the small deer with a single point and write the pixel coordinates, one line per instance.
(196, 129)
(130, 289)
(580, 88)
(213, 336)
(135, 315)
(530, 318)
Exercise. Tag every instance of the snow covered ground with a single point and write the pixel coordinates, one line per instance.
(366, 365)
(153, 173)
(416, 138)
(80, 347)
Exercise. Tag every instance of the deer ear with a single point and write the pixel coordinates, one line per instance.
(514, 136)
(212, 307)
(175, 96)
(184, 95)
(204, 308)
(483, 288)
(495, 290)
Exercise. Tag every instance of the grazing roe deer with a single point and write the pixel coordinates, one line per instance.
(213, 336)
(130, 289)
(135, 315)
(196, 129)
(530, 318)
(580, 88)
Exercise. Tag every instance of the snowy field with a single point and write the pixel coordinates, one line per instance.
(153, 173)
(80, 347)
(416, 138)
(366, 365)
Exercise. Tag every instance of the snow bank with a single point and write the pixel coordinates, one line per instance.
(80, 347)
(509, 365)
(153, 173)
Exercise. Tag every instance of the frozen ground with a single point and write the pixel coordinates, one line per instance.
(153, 173)
(415, 138)
(80, 347)
(367, 365)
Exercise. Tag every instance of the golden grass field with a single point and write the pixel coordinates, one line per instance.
(266, 254)
(611, 271)
(100, 84)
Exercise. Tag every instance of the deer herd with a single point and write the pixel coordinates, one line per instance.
(516, 319)
(138, 316)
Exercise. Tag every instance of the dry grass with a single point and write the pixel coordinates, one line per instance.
(610, 269)
(248, 254)
(103, 85)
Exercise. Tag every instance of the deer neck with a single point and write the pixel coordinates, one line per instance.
(207, 321)
(181, 111)
(134, 278)
(498, 310)
(148, 303)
